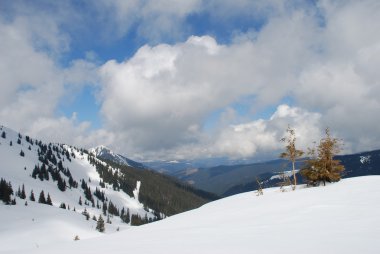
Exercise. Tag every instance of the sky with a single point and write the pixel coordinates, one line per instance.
(166, 79)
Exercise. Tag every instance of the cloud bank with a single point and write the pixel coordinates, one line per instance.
(321, 56)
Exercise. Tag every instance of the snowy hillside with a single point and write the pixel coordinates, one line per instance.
(338, 218)
(69, 176)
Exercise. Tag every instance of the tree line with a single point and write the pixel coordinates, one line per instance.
(320, 166)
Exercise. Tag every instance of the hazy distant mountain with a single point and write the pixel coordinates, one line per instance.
(233, 179)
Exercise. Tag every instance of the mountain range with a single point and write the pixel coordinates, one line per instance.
(234, 179)
(226, 180)
(87, 183)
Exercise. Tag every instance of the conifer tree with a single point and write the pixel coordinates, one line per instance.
(291, 153)
(109, 219)
(322, 167)
(31, 197)
(6, 191)
(105, 208)
(41, 198)
(100, 224)
(86, 214)
(22, 194)
(3, 135)
(48, 200)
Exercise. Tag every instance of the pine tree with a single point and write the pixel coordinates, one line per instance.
(100, 224)
(321, 167)
(22, 194)
(105, 208)
(18, 192)
(42, 199)
(61, 183)
(6, 191)
(3, 135)
(86, 214)
(48, 200)
(292, 154)
(31, 197)
(80, 201)
(22, 154)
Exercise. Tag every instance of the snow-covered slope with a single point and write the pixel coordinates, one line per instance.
(338, 218)
(36, 223)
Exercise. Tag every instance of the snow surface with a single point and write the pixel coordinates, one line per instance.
(37, 224)
(365, 159)
(338, 218)
(286, 173)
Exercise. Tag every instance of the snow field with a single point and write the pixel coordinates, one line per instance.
(338, 218)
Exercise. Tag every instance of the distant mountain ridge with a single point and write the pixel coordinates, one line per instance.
(106, 153)
(233, 179)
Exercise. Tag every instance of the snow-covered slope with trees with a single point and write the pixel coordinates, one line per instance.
(71, 179)
(338, 218)
(54, 192)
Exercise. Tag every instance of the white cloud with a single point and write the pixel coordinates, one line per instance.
(163, 92)
(63, 129)
(33, 84)
(157, 97)
(263, 136)
(324, 57)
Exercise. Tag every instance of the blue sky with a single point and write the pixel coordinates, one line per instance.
(169, 79)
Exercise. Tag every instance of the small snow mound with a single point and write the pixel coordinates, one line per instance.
(287, 173)
(365, 159)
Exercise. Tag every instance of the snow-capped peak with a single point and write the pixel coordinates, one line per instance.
(100, 150)
(106, 153)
